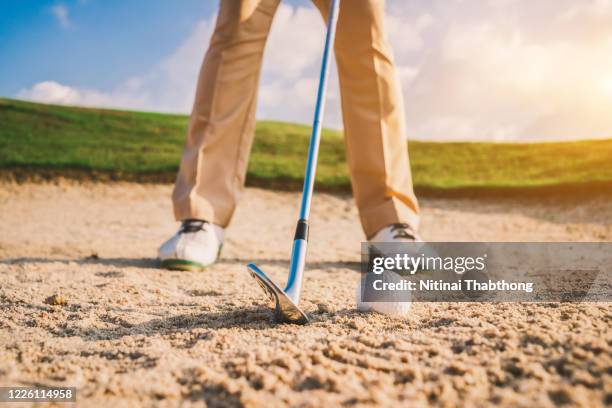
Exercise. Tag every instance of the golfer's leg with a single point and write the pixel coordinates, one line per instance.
(373, 113)
(213, 166)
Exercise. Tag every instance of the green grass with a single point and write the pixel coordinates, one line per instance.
(37, 138)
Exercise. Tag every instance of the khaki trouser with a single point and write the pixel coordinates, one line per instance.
(214, 163)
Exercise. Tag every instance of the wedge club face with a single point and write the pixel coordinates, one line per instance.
(286, 311)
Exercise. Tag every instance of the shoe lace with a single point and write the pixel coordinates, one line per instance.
(403, 231)
(189, 226)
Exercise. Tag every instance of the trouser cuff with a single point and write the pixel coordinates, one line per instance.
(200, 209)
(392, 211)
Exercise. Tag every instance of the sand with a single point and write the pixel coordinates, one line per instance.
(84, 304)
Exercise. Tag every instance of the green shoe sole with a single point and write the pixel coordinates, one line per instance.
(181, 265)
(187, 266)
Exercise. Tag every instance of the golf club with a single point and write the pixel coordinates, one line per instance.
(286, 301)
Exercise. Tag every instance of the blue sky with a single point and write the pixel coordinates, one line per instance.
(125, 36)
(101, 43)
(470, 70)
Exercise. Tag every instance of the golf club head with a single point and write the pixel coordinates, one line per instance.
(286, 311)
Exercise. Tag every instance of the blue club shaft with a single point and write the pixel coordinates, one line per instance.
(315, 139)
(300, 245)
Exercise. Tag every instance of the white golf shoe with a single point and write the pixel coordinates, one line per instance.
(196, 245)
(392, 234)
(388, 241)
(396, 233)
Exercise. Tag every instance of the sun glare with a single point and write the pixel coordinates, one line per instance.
(607, 85)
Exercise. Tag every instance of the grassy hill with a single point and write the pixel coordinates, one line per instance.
(78, 142)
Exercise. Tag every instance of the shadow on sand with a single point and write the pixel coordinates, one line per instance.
(257, 318)
(152, 263)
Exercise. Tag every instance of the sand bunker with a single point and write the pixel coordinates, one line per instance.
(83, 304)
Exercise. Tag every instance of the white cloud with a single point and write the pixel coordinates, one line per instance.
(588, 8)
(53, 92)
(62, 15)
(291, 68)
(295, 42)
(486, 70)
(497, 73)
